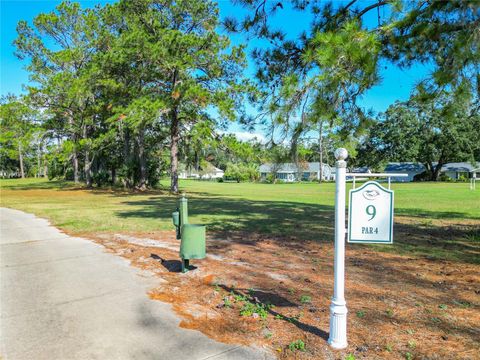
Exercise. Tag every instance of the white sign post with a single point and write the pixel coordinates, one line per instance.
(370, 214)
(338, 308)
(370, 221)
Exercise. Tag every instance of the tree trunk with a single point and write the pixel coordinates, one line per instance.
(436, 171)
(37, 173)
(88, 169)
(76, 177)
(126, 159)
(114, 175)
(174, 138)
(20, 158)
(320, 151)
(142, 183)
(75, 166)
(88, 162)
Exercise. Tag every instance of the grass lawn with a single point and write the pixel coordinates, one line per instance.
(435, 219)
(268, 278)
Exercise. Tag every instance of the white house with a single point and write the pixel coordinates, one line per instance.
(211, 173)
(456, 170)
(289, 172)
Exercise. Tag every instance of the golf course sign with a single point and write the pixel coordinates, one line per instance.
(370, 214)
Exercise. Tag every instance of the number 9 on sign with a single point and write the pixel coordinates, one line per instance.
(370, 210)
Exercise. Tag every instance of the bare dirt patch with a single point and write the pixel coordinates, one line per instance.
(252, 289)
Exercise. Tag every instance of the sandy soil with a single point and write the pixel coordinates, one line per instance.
(399, 307)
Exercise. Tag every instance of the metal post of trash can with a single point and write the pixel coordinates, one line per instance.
(183, 209)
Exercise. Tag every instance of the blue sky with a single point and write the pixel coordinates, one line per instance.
(396, 83)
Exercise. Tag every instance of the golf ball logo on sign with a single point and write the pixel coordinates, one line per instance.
(370, 214)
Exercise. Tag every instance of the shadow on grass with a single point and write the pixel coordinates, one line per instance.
(420, 213)
(297, 221)
(283, 221)
(64, 185)
(238, 219)
(42, 185)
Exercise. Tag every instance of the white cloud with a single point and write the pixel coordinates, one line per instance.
(246, 136)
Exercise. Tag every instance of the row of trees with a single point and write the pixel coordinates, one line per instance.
(121, 92)
(119, 85)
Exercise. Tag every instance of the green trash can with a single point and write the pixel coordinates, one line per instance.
(192, 245)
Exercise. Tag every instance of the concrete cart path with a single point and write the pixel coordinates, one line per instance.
(63, 297)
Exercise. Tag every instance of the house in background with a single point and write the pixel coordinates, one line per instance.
(289, 172)
(211, 172)
(461, 169)
(453, 170)
(409, 168)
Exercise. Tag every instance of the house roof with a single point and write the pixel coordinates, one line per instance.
(404, 167)
(459, 167)
(291, 167)
(361, 169)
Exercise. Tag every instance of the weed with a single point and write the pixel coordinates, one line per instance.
(410, 331)
(227, 302)
(305, 299)
(389, 347)
(408, 356)
(216, 287)
(436, 320)
(389, 312)
(278, 317)
(462, 304)
(248, 309)
(412, 344)
(361, 313)
(239, 297)
(426, 222)
(350, 357)
(268, 335)
(443, 307)
(291, 291)
(297, 345)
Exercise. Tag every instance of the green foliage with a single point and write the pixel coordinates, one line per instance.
(462, 304)
(20, 137)
(430, 130)
(305, 299)
(124, 81)
(241, 172)
(248, 309)
(297, 345)
(313, 80)
(227, 302)
(360, 314)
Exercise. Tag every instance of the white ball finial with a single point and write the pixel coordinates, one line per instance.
(341, 154)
